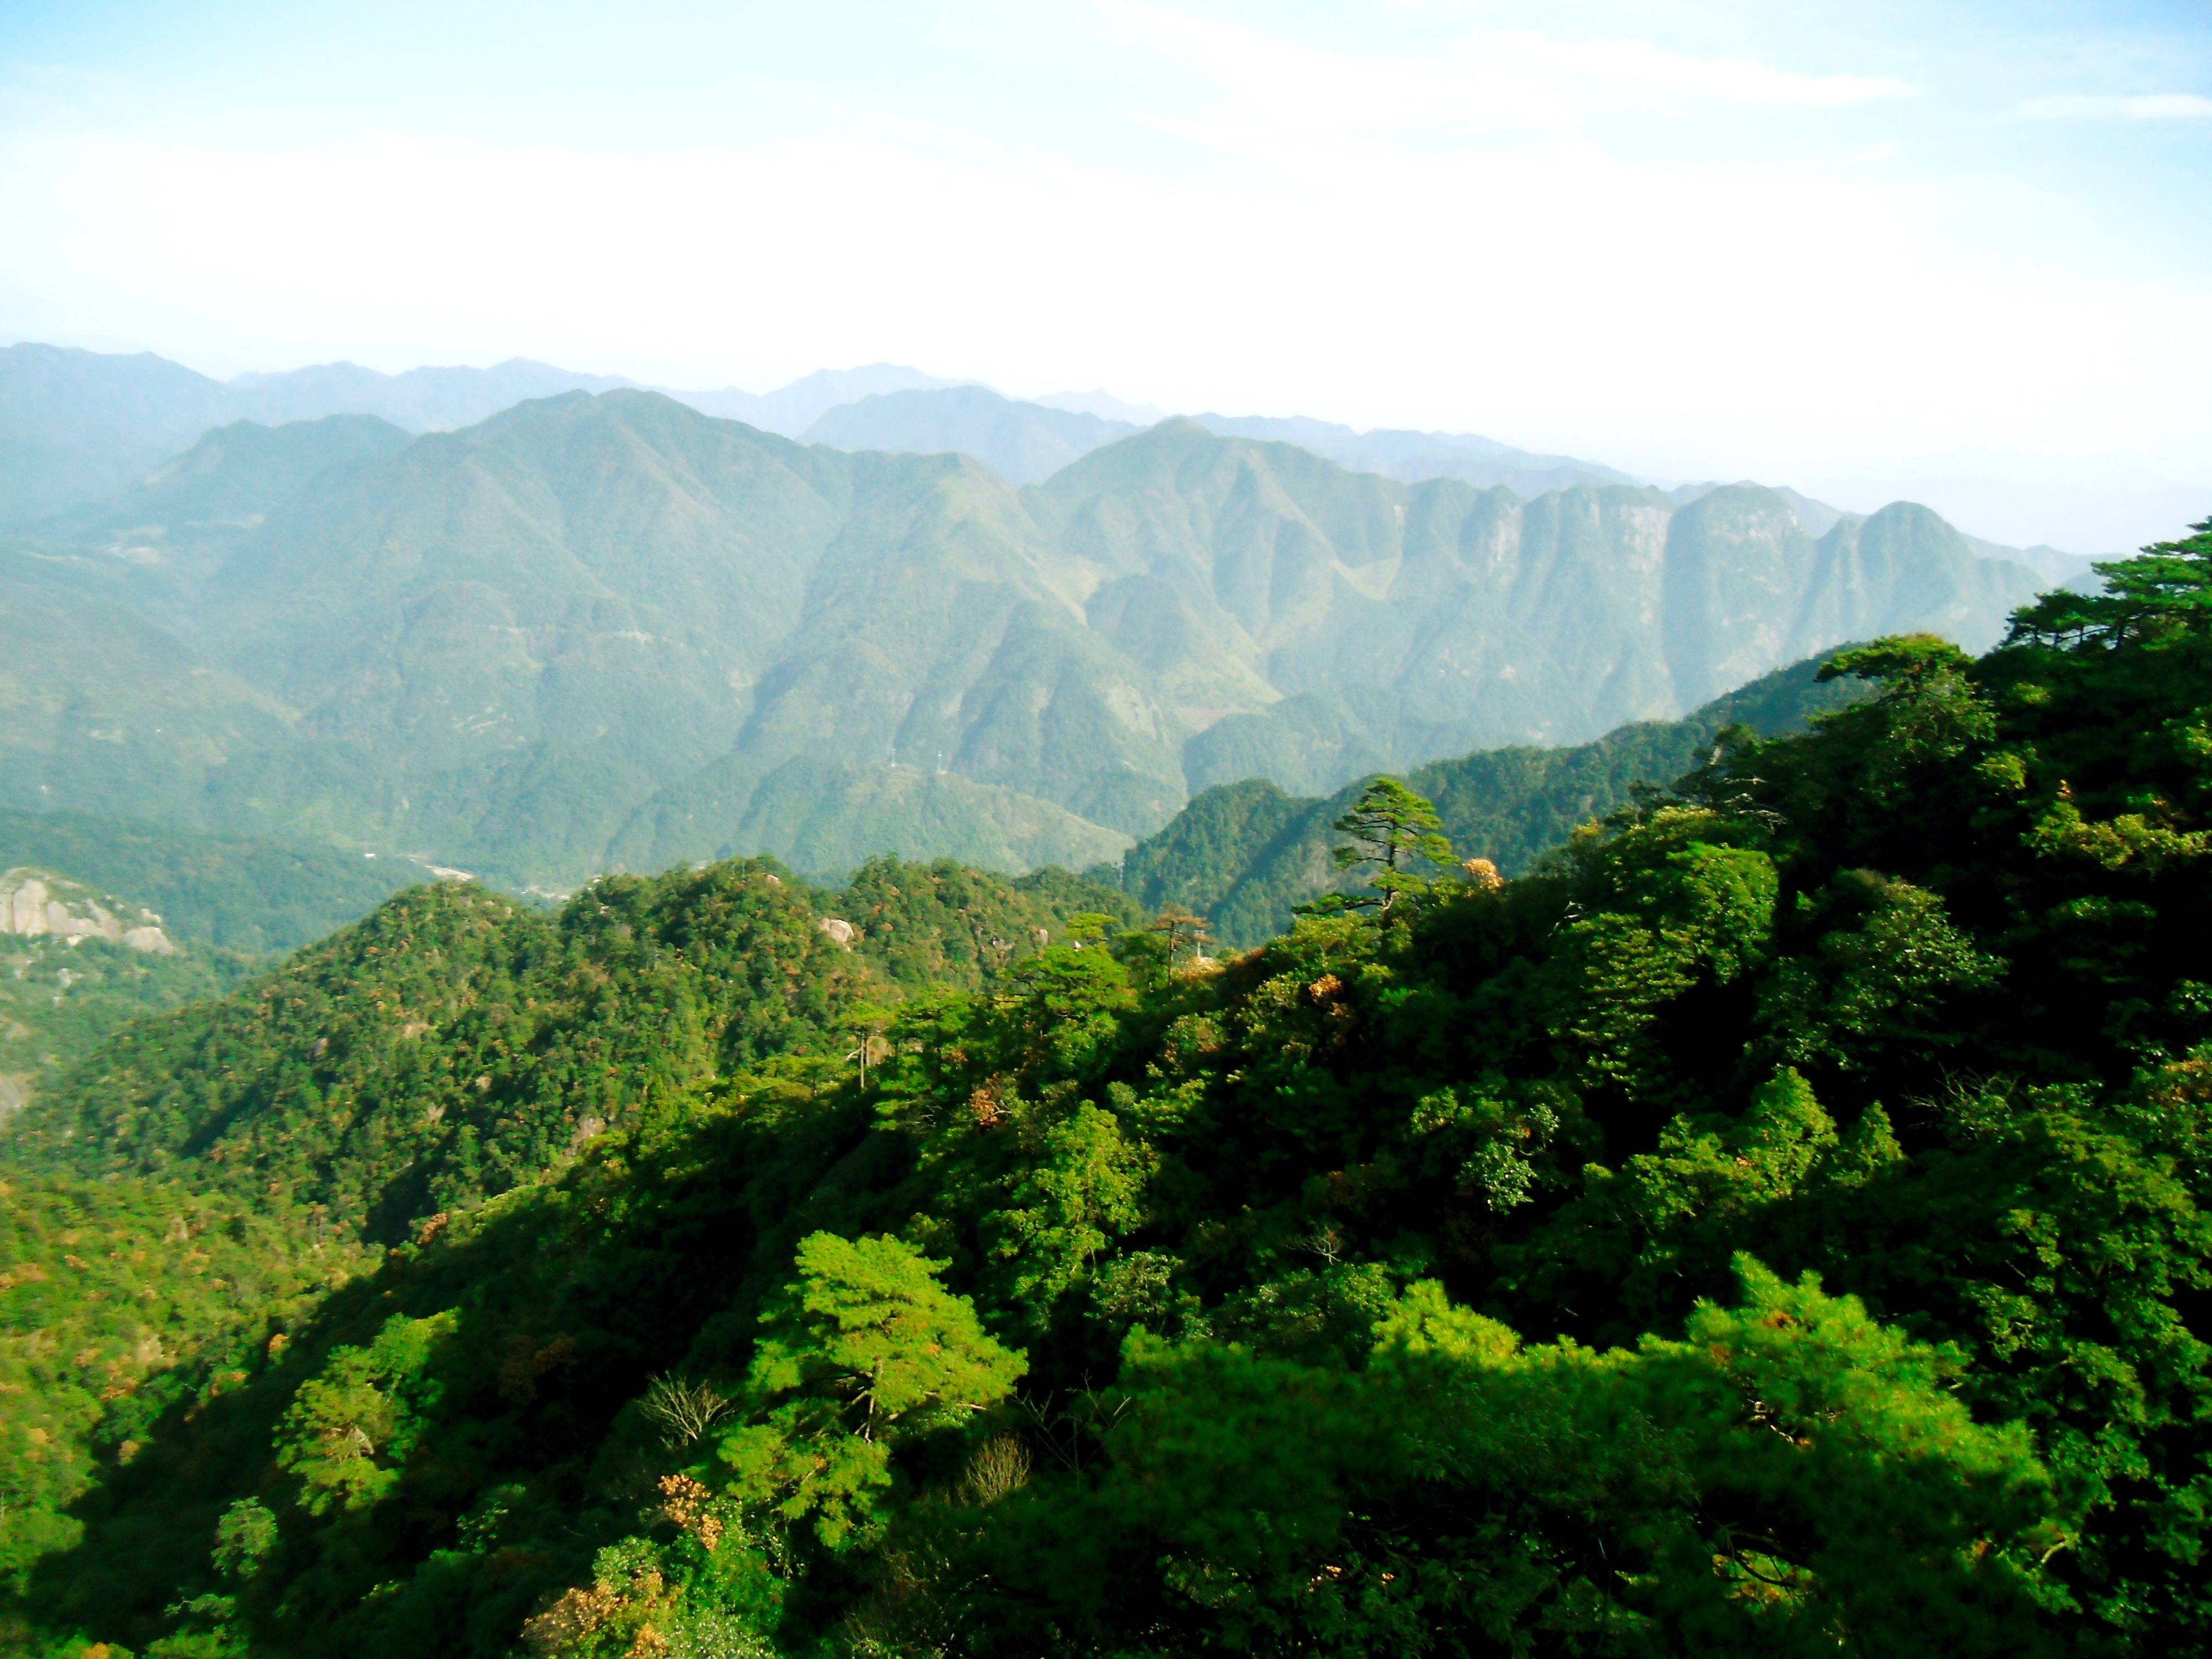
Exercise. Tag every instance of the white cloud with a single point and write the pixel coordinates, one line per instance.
(1642, 64)
(1466, 239)
(1682, 319)
(2149, 106)
(1274, 97)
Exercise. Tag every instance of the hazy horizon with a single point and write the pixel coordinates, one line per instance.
(1954, 255)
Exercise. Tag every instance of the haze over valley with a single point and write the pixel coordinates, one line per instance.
(536, 625)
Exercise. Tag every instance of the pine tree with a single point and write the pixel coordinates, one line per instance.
(1392, 832)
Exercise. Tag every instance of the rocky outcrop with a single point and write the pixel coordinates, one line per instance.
(39, 905)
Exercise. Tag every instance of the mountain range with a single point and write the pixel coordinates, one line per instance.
(1027, 442)
(76, 426)
(606, 629)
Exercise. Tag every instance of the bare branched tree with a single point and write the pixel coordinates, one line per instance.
(681, 1409)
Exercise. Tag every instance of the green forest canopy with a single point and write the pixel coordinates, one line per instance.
(1245, 855)
(1775, 1222)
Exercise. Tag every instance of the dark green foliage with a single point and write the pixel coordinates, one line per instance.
(1394, 838)
(1791, 1471)
(1775, 1223)
(1246, 855)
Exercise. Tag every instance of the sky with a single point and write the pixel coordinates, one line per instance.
(1957, 253)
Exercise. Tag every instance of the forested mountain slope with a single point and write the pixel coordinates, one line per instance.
(1777, 1225)
(455, 1043)
(104, 920)
(449, 1046)
(75, 961)
(609, 631)
(1244, 855)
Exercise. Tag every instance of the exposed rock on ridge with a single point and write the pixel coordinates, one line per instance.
(37, 903)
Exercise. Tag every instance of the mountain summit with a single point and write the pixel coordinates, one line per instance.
(606, 629)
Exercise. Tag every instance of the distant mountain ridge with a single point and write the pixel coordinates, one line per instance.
(76, 426)
(120, 415)
(1028, 442)
(1023, 442)
(1413, 456)
(790, 410)
(427, 399)
(604, 630)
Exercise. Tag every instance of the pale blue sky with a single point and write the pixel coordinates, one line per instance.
(1959, 252)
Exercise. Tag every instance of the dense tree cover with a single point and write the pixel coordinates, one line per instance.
(1775, 1223)
(1246, 855)
(945, 926)
(103, 1289)
(227, 902)
(57, 1000)
(314, 1107)
(456, 1042)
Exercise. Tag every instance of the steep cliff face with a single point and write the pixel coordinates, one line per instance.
(1746, 586)
(39, 905)
(1387, 623)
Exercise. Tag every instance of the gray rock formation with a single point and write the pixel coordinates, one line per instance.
(39, 905)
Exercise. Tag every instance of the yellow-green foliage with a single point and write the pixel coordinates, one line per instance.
(350, 1426)
(124, 1304)
(454, 1043)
